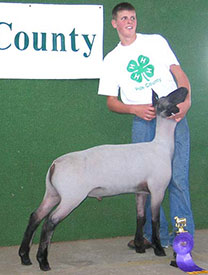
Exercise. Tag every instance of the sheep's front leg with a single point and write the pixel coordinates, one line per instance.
(139, 240)
(158, 249)
(141, 219)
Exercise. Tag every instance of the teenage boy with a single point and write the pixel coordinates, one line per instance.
(137, 64)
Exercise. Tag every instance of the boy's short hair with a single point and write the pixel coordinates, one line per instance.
(120, 7)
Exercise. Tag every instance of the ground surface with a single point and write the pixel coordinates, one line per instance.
(101, 257)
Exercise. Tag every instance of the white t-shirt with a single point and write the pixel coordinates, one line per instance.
(136, 69)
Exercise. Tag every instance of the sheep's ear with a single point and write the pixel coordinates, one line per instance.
(177, 96)
(155, 98)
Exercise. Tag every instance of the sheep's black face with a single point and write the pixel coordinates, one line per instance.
(165, 109)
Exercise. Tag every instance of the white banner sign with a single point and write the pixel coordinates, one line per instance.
(45, 41)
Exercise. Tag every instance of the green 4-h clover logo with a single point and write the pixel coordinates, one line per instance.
(140, 70)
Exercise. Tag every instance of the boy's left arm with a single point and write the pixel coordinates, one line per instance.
(182, 81)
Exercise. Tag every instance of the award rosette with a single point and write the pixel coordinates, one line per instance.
(182, 245)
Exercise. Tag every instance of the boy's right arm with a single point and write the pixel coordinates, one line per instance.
(144, 111)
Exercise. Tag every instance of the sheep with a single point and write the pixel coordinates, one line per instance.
(107, 170)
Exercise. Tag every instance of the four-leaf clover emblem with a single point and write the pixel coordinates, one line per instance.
(140, 70)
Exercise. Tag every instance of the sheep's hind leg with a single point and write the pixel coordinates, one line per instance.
(49, 201)
(24, 249)
(46, 235)
(63, 210)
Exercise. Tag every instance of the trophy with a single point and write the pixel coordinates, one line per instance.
(180, 224)
(183, 245)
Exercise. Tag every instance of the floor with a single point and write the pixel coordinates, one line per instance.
(102, 257)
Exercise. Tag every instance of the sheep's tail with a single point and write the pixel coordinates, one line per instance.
(50, 188)
(51, 171)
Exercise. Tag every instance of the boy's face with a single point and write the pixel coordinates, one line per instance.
(125, 23)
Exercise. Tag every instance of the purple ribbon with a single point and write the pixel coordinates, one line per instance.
(182, 245)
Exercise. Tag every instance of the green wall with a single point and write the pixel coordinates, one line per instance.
(43, 119)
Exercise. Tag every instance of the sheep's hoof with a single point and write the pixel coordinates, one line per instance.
(147, 244)
(159, 251)
(44, 266)
(43, 263)
(140, 248)
(25, 259)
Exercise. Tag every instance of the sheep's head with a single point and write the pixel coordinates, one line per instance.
(166, 105)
